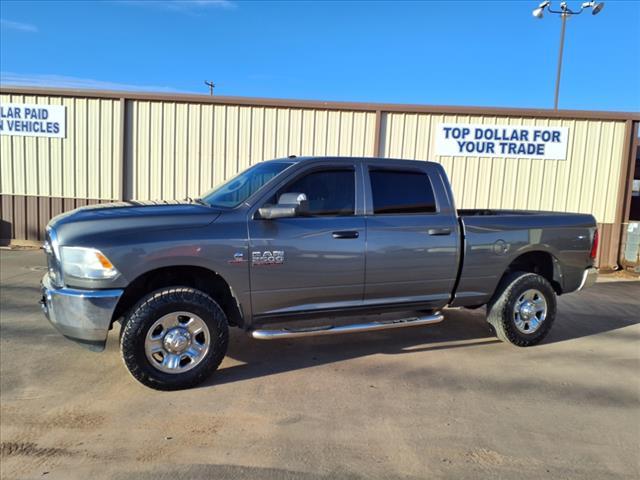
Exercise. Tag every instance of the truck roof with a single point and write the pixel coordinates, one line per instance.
(296, 159)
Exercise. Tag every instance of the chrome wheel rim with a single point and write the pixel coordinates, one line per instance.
(530, 311)
(177, 342)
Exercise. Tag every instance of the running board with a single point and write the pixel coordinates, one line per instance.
(357, 327)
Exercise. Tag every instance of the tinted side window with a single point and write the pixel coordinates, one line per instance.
(329, 192)
(401, 192)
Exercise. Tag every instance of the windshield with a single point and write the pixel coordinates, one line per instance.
(242, 186)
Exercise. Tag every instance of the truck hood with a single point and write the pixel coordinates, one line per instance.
(93, 223)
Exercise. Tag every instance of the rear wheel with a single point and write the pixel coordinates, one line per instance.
(174, 338)
(523, 309)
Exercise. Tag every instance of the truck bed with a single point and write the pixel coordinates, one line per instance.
(487, 212)
(494, 240)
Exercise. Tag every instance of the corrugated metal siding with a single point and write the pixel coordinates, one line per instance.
(609, 246)
(175, 149)
(85, 164)
(25, 217)
(179, 149)
(587, 182)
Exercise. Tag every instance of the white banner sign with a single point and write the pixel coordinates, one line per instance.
(473, 140)
(33, 120)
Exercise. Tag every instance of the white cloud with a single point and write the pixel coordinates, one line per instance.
(192, 7)
(209, 3)
(20, 26)
(63, 81)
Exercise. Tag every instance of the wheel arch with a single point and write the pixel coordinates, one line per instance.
(538, 261)
(193, 276)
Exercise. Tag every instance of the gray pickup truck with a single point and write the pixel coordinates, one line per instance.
(297, 239)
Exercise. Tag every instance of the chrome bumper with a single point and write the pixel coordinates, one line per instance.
(589, 277)
(81, 315)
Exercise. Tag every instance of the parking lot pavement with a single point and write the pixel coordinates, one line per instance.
(424, 402)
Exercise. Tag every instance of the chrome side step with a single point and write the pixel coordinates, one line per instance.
(357, 327)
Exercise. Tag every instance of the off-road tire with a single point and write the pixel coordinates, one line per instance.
(155, 305)
(501, 307)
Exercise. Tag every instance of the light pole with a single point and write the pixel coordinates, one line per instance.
(564, 13)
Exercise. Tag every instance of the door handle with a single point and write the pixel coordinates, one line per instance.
(345, 234)
(439, 231)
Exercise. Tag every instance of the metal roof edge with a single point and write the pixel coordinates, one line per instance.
(323, 105)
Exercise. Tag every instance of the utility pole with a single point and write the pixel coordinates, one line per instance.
(211, 86)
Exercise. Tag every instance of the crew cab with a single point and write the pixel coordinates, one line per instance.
(290, 243)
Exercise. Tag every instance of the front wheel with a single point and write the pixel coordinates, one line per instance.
(522, 309)
(174, 338)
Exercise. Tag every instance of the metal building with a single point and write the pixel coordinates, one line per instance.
(123, 145)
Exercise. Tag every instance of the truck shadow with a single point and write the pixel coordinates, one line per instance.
(262, 358)
(604, 309)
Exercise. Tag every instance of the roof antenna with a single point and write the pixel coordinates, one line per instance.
(211, 86)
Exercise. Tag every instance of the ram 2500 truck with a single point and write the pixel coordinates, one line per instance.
(295, 239)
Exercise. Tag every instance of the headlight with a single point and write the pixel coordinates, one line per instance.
(87, 263)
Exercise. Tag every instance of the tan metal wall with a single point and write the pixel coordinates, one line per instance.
(153, 146)
(179, 149)
(25, 217)
(588, 181)
(85, 164)
(176, 149)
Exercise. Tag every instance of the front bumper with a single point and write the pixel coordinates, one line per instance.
(81, 315)
(589, 277)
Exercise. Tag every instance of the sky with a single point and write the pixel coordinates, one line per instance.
(478, 53)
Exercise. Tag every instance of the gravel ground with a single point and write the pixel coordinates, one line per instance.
(445, 401)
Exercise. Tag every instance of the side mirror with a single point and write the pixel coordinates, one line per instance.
(289, 205)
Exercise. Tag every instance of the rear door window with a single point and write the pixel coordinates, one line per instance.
(401, 192)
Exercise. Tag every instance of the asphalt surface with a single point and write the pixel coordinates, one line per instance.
(444, 401)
